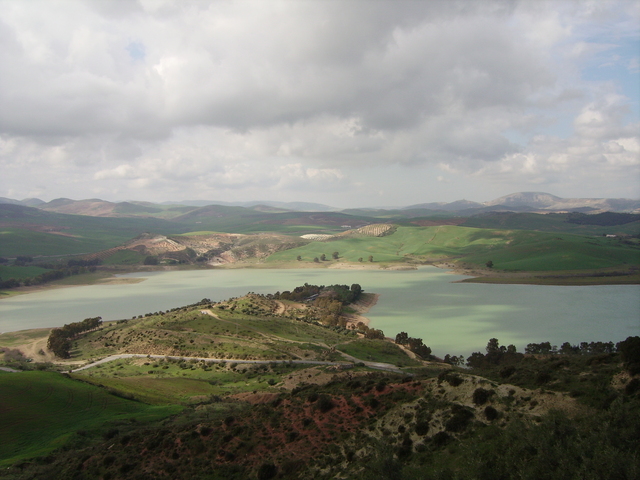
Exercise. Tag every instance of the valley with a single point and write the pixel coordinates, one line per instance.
(262, 379)
(281, 386)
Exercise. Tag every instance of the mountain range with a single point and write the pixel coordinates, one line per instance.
(516, 202)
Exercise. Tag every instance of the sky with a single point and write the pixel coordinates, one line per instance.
(349, 103)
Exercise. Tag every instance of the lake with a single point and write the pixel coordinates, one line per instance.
(455, 318)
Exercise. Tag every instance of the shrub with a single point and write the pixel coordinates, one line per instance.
(324, 403)
(267, 471)
(480, 396)
(490, 413)
(422, 428)
(632, 387)
(459, 420)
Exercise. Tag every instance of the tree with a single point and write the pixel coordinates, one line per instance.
(419, 348)
(298, 258)
(59, 344)
(371, 258)
(493, 345)
(402, 338)
(323, 257)
(489, 264)
(315, 259)
(335, 255)
(151, 260)
(374, 334)
(630, 352)
(360, 259)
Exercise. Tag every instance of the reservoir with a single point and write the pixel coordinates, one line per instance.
(454, 318)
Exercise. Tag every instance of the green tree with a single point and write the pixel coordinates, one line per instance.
(315, 259)
(371, 258)
(360, 259)
(402, 338)
(151, 260)
(493, 346)
(298, 258)
(630, 352)
(489, 264)
(335, 255)
(323, 257)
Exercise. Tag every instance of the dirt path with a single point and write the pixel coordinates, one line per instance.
(205, 359)
(376, 365)
(281, 308)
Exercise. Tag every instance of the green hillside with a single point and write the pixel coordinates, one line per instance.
(574, 409)
(32, 232)
(42, 410)
(558, 222)
(508, 249)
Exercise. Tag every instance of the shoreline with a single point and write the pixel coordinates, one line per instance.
(477, 275)
(361, 307)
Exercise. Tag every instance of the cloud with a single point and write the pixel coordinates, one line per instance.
(156, 97)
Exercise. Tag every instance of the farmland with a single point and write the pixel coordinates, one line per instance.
(509, 250)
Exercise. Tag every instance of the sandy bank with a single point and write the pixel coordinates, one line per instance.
(366, 302)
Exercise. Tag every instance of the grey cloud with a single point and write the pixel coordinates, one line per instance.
(232, 91)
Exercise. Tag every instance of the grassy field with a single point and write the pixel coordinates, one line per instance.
(508, 249)
(124, 257)
(76, 234)
(167, 382)
(41, 410)
(20, 273)
(552, 222)
(377, 351)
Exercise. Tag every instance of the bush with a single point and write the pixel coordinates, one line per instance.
(459, 420)
(324, 403)
(480, 396)
(490, 413)
(267, 471)
(422, 428)
(451, 378)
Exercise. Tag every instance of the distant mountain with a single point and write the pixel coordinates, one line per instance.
(530, 202)
(293, 206)
(447, 207)
(545, 201)
(32, 202)
(515, 202)
(93, 207)
(525, 199)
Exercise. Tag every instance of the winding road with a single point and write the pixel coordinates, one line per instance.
(375, 365)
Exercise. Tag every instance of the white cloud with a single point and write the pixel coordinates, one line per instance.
(289, 98)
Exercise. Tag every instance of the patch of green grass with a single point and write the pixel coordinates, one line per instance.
(508, 249)
(164, 382)
(20, 273)
(9, 339)
(124, 257)
(550, 222)
(42, 409)
(377, 351)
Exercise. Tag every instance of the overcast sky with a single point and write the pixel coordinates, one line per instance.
(348, 103)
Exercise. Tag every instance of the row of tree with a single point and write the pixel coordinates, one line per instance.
(59, 341)
(500, 355)
(584, 348)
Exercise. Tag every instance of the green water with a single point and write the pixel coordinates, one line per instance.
(455, 318)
